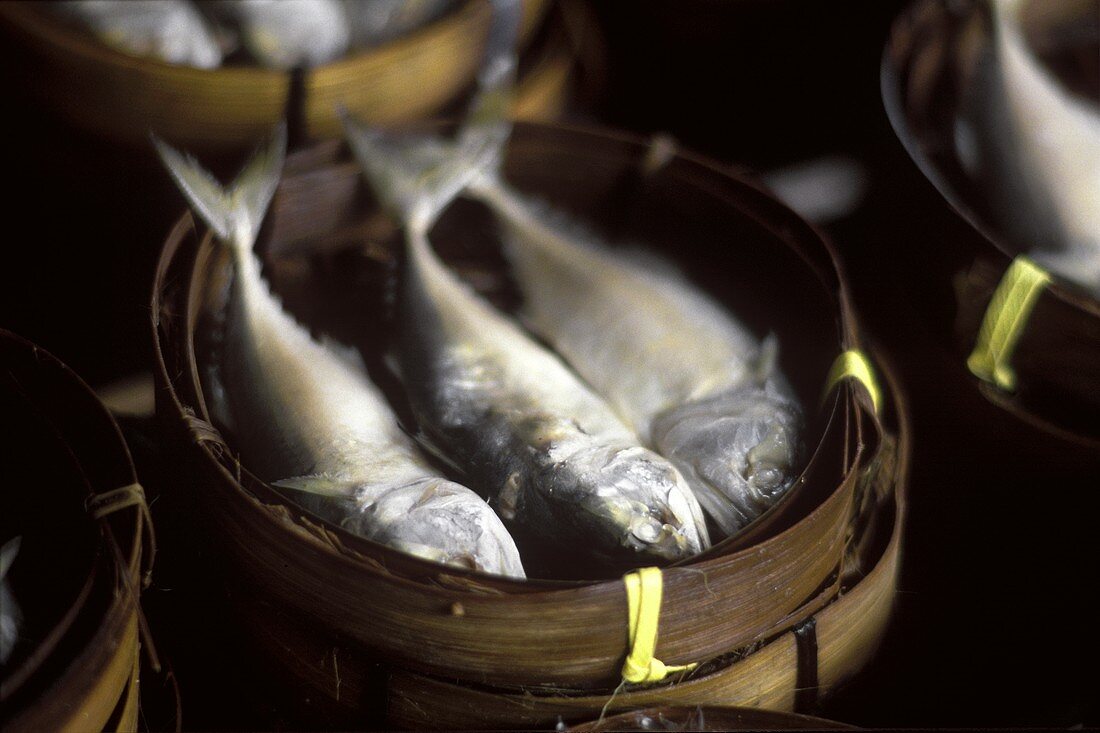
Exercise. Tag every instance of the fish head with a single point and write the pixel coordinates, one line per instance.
(440, 521)
(739, 450)
(633, 504)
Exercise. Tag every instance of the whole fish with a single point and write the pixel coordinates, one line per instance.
(304, 411)
(1036, 146)
(282, 34)
(374, 22)
(553, 456)
(172, 31)
(11, 618)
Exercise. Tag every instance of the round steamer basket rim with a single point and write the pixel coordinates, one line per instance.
(102, 666)
(891, 71)
(487, 599)
(353, 547)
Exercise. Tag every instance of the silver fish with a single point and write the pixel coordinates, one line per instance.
(304, 411)
(552, 454)
(692, 381)
(374, 22)
(168, 30)
(282, 34)
(1036, 145)
(11, 618)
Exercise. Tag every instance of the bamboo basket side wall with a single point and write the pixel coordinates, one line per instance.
(85, 691)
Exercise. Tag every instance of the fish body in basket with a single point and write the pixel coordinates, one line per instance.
(305, 412)
(676, 366)
(282, 34)
(172, 31)
(374, 22)
(553, 455)
(1036, 145)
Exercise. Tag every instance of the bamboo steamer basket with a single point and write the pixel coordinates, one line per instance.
(83, 671)
(710, 718)
(927, 66)
(329, 606)
(124, 97)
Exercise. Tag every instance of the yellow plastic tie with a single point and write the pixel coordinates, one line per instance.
(853, 364)
(643, 602)
(1004, 322)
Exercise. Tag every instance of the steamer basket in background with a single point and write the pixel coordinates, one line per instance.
(122, 97)
(931, 59)
(329, 607)
(71, 494)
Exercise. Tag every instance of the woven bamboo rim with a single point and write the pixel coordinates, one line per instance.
(1057, 360)
(786, 673)
(707, 718)
(95, 688)
(458, 624)
(124, 97)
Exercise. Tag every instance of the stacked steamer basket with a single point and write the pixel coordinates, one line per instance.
(931, 65)
(85, 548)
(122, 97)
(1009, 467)
(774, 617)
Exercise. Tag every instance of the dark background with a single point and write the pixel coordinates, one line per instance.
(994, 620)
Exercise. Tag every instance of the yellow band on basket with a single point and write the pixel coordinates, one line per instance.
(854, 364)
(643, 603)
(1004, 322)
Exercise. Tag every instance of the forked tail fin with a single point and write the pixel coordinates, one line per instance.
(234, 212)
(415, 176)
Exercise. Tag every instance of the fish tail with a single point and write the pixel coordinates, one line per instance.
(416, 177)
(234, 212)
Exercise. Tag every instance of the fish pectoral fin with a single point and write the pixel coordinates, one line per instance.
(318, 483)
